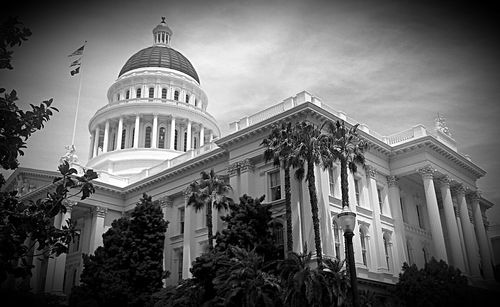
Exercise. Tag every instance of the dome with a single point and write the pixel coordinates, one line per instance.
(160, 56)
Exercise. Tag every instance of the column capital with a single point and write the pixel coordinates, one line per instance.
(458, 189)
(69, 204)
(371, 171)
(100, 211)
(474, 195)
(445, 181)
(165, 201)
(427, 171)
(232, 169)
(392, 181)
(246, 165)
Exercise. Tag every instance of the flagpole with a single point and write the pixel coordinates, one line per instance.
(78, 98)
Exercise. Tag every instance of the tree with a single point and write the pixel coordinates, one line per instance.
(128, 268)
(279, 148)
(344, 145)
(437, 284)
(308, 152)
(210, 191)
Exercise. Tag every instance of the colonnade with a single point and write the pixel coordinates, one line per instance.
(165, 132)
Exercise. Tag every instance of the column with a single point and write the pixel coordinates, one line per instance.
(119, 134)
(155, 131)
(136, 132)
(468, 232)
(54, 282)
(482, 237)
(165, 203)
(377, 233)
(399, 230)
(91, 147)
(188, 249)
(172, 133)
(96, 141)
(188, 138)
(356, 240)
(427, 173)
(106, 137)
(98, 217)
(246, 177)
(456, 258)
(202, 135)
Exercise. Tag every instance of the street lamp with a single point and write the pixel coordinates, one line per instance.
(347, 220)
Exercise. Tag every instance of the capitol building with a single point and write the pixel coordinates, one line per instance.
(417, 198)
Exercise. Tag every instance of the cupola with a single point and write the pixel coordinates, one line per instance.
(162, 34)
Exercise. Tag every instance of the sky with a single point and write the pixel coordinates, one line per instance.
(388, 64)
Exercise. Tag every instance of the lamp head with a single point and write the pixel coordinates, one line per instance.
(347, 219)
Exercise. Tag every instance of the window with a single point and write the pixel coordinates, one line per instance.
(114, 142)
(133, 137)
(175, 139)
(163, 93)
(181, 221)
(117, 97)
(161, 138)
(336, 236)
(138, 93)
(331, 181)
(195, 102)
(362, 237)
(180, 256)
(419, 217)
(409, 250)
(151, 92)
(187, 98)
(74, 278)
(195, 142)
(185, 140)
(147, 137)
(386, 251)
(403, 212)
(380, 202)
(279, 240)
(356, 190)
(127, 95)
(124, 133)
(275, 185)
(176, 95)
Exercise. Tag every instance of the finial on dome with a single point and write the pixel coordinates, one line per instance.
(162, 34)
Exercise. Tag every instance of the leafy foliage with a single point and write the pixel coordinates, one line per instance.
(128, 268)
(33, 222)
(207, 192)
(437, 284)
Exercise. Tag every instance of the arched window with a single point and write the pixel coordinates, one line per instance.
(151, 92)
(161, 138)
(336, 235)
(176, 95)
(133, 137)
(176, 137)
(279, 237)
(118, 97)
(364, 250)
(127, 95)
(138, 93)
(187, 98)
(195, 102)
(195, 142)
(124, 133)
(163, 93)
(185, 140)
(147, 137)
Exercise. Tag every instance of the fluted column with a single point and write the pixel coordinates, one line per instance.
(106, 137)
(137, 132)
(427, 174)
(172, 134)
(399, 233)
(119, 134)
(482, 237)
(202, 135)
(468, 231)
(98, 217)
(456, 257)
(155, 131)
(188, 138)
(377, 233)
(96, 141)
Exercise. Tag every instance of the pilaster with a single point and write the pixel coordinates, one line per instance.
(377, 233)
(399, 233)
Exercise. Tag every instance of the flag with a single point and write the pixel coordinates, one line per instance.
(78, 51)
(75, 71)
(74, 63)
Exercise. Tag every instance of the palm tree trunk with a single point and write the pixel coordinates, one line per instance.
(288, 212)
(209, 227)
(344, 185)
(314, 210)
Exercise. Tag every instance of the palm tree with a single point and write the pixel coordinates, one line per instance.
(210, 191)
(279, 148)
(343, 144)
(308, 150)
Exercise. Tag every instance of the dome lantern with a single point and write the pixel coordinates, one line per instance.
(162, 34)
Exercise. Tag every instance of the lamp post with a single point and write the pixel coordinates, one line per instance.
(347, 220)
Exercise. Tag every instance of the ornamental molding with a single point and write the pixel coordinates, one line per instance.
(474, 196)
(392, 181)
(371, 171)
(100, 211)
(427, 172)
(458, 189)
(445, 181)
(69, 204)
(232, 169)
(246, 166)
(165, 201)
